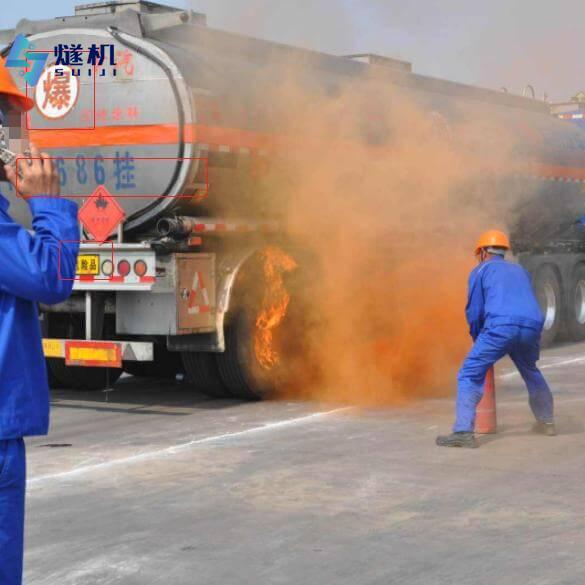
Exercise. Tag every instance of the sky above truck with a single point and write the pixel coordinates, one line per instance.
(492, 44)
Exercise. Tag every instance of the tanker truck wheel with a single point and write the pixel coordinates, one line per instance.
(547, 288)
(203, 374)
(239, 369)
(265, 328)
(63, 326)
(576, 308)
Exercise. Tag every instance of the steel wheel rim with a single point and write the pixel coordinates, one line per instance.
(550, 309)
(580, 302)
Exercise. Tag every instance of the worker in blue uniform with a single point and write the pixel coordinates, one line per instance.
(504, 319)
(37, 266)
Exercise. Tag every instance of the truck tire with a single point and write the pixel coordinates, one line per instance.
(203, 374)
(576, 304)
(238, 366)
(252, 367)
(547, 288)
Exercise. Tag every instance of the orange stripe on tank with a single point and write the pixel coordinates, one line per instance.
(149, 134)
(559, 172)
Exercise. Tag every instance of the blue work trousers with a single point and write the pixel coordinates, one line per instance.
(12, 488)
(522, 344)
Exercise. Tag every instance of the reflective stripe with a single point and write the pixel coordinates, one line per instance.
(238, 226)
(93, 353)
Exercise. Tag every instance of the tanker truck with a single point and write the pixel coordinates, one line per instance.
(157, 125)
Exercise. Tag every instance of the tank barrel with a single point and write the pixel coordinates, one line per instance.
(188, 133)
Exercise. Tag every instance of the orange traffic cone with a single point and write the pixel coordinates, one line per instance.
(485, 418)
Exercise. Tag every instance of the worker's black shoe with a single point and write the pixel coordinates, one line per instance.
(544, 428)
(465, 440)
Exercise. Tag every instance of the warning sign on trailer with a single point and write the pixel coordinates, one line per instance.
(198, 296)
(101, 214)
(195, 292)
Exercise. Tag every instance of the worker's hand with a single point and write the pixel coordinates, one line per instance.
(38, 175)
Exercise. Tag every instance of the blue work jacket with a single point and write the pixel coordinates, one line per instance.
(33, 268)
(500, 293)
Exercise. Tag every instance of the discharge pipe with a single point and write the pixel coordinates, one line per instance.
(174, 226)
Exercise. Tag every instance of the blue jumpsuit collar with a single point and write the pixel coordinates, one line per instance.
(495, 258)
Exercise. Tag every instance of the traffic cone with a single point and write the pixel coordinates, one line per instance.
(485, 418)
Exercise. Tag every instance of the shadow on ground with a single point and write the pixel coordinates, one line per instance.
(134, 395)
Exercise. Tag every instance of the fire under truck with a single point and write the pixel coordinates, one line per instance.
(172, 137)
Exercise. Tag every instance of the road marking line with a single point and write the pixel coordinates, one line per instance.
(558, 399)
(78, 471)
(546, 367)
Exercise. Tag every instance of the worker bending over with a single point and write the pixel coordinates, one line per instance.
(504, 319)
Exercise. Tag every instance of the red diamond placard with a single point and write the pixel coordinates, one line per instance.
(100, 214)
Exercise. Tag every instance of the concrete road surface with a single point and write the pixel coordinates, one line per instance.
(157, 486)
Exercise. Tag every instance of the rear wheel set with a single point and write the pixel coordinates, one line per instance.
(258, 339)
(257, 357)
(237, 372)
(562, 303)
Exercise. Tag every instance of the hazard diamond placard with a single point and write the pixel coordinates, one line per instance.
(101, 214)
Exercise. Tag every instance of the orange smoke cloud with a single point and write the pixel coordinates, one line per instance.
(383, 195)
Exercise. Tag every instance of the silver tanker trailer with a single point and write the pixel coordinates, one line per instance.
(176, 132)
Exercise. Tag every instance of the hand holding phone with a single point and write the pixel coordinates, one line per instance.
(37, 174)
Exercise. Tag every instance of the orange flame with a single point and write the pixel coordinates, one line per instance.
(274, 304)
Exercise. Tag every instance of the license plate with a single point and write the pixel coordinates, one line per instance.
(53, 348)
(88, 264)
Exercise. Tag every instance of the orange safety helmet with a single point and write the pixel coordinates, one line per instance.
(492, 238)
(8, 88)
